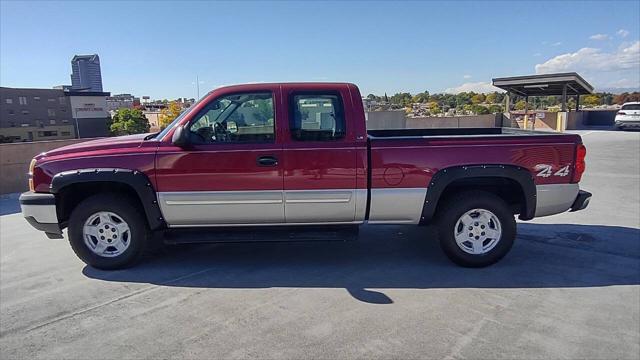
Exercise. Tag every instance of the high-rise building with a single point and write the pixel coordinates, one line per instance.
(86, 73)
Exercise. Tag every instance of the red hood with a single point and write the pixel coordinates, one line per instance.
(100, 144)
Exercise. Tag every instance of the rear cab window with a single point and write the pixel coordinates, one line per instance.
(317, 116)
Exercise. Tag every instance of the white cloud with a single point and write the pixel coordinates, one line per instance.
(603, 68)
(557, 43)
(622, 33)
(537, 54)
(467, 76)
(599, 37)
(478, 87)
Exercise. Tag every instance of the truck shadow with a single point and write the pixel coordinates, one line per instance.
(397, 257)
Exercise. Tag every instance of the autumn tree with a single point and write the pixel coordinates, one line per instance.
(478, 99)
(520, 105)
(169, 113)
(591, 100)
(128, 121)
(434, 108)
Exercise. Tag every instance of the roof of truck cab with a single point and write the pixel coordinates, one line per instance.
(302, 85)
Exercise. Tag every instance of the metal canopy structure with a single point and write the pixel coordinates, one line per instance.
(559, 84)
(545, 85)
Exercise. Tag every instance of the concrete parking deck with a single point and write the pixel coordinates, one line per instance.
(570, 288)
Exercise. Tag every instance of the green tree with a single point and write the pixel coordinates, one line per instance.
(128, 121)
(402, 99)
(491, 98)
(168, 114)
(495, 108)
(421, 97)
(479, 109)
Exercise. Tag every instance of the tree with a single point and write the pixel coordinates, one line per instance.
(128, 121)
(520, 105)
(491, 98)
(591, 100)
(421, 97)
(479, 109)
(478, 99)
(402, 99)
(434, 108)
(168, 114)
(626, 97)
(495, 108)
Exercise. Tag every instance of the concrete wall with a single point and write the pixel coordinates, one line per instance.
(478, 121)
(378, 120)
(15, 158)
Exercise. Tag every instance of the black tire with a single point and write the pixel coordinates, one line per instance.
(125, 209)
(451, 211)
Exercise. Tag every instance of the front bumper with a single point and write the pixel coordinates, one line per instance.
(582, 201)
(40, 211)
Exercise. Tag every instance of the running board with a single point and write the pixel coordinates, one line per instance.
(261, 234)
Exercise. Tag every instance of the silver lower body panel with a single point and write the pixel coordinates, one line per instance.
(269, 207)
(555, 198)
(396, 205)
(221, 207)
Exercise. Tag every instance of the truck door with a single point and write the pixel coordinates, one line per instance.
(231, 173)
(322, 159)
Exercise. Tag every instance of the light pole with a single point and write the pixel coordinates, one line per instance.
(75, 117)
(198, 82)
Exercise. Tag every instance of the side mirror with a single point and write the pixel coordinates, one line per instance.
(180, 136)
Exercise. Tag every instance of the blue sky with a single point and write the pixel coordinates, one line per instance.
(158, 48)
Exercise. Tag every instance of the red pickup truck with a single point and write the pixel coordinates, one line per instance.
(297, 157)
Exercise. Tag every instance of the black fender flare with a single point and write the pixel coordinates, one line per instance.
(133, 178)
(446, 176)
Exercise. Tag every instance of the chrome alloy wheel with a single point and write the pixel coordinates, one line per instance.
(477, 231)
(106, 234)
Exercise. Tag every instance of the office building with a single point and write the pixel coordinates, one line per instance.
(86, 75)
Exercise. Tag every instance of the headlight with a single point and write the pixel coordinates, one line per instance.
(32, 165)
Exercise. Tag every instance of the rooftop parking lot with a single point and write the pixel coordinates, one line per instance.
(570, 288)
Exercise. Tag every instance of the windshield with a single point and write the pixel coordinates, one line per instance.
(164, 131)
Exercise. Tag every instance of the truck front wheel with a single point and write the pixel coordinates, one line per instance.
(107, 231)
(476, 228)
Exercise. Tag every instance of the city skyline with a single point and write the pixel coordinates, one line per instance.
(382, 47)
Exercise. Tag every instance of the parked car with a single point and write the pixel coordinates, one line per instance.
(296, 159)
(628, 116)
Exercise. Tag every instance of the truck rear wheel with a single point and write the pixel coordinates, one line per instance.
(476, 228)
(107, 231)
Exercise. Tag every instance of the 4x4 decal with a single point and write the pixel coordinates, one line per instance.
(546, 170)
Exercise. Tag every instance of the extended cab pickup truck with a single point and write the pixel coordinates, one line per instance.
(298, 157)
